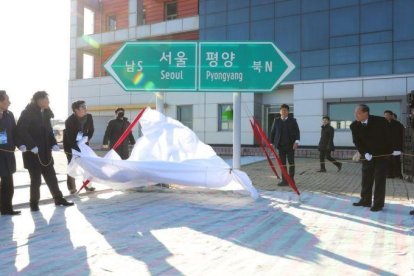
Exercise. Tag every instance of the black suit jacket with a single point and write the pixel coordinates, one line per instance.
(293, 131)
(72, 127)
(397, 135)
(375, 138)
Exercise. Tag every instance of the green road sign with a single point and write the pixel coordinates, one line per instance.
(155, 66)
(174, 66)
(241, 66)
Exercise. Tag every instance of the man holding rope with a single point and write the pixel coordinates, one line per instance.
(372, 138)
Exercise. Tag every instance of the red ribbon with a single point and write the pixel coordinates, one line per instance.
(120, 140)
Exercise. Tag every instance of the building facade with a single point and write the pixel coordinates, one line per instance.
(345, 52)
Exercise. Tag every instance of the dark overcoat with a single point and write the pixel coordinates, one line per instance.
(7, 158)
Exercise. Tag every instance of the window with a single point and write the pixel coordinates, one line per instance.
(88, 21)
(185, 115)
(342, 114)
(88, 66)
(111, 23)
(225, 117)
(170, 10)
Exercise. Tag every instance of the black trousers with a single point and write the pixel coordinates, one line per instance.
(394, 166)
(289, 154)
(49, 175)
(374, 171)
(6, 193)
(327, 154)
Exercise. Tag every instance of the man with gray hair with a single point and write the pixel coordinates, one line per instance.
(372, 138)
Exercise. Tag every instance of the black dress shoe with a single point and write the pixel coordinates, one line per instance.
(376, 208)
(63, 202)
(362, 203)
(412, 213)
(321, 171)
(11, 213)
(89, 189)
(282, 184)
(339, 167)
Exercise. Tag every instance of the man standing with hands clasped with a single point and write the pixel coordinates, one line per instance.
(285, 137)
(372, 138)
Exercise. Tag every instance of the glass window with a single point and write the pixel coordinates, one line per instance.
(404, 49)
(225, 117)
(403, 17)
(344, 55)
(344, 71)
(315, 58)
(262, 30)
(238, 32)
(111, 23)
(343, 41)
(379, 37)
(314, 73)
(213, 34)
(315, 31)
(185, 115)
(88, 66)
(238, 16)
(216, 20)
(342, 3)
(288, 33)
(88, 21)
(376, 68)
(376, 17)
(236, 4)
(262, 12)
(170, 10)
(345, 21)
(311, 6)
(213, 6)
(376, 52)
(286, 8)
(342, 114)
(404, 66)
(140, 13)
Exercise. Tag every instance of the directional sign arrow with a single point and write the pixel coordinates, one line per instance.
(241, 66)
(155, 66)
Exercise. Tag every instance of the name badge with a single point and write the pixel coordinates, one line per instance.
(3, 137)
(79, 136)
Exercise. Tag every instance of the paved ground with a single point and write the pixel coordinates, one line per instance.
(179, 232)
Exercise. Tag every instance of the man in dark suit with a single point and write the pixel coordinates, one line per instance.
(285, 136)
(326, 144)
(372, 138)
(397, 136)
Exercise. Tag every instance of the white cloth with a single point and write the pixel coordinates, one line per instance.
(168, 152)
(368, 156)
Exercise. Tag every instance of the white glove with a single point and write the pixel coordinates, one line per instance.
(35, 150)
(368, 156)
(105, 146)
(396, 153)
(55, 148)
(22, 148)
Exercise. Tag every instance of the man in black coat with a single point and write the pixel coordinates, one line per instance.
(372, 138)
(36, 134)
(326, 144)
(397, 137)
(114, 131)
(7, 158)
(77, 126)
(285, 137)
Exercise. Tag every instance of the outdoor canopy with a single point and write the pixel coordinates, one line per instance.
(168, 152)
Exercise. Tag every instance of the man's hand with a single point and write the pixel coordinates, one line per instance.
(23, 148)
(35, 150)
(368, 156)
(105, 146)
(295, 146)
(396, 153)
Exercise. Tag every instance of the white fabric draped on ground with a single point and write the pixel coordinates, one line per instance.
(168, 152)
